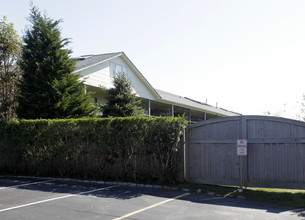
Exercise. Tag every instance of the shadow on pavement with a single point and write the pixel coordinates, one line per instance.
(127, 192)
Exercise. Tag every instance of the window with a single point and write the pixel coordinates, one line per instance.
(117, 69)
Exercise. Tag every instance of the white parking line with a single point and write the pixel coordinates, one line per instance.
(149, 207)
(56, 198)
(25, 184)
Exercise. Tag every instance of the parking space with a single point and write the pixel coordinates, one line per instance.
(43, 198)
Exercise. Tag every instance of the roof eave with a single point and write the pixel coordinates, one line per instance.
(224, 114)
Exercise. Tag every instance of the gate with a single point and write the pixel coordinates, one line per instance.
(276, 152)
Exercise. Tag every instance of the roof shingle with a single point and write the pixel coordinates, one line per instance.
(88, 60)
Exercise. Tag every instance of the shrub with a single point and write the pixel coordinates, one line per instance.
(122, 149)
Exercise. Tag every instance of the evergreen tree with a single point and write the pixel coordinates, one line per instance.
(9, 71)
(121, 101)
(49, 88)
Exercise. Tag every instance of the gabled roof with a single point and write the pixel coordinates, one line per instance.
(187, 102)
(89, 60)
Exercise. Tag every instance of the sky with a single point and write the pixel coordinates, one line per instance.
(246, 56)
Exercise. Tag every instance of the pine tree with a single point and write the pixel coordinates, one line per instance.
(49, 88)
(121, 101)
(9, 71)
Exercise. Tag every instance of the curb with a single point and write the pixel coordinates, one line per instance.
(107, 183)
(173, 188)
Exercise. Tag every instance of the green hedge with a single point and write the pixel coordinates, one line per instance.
(119, 149)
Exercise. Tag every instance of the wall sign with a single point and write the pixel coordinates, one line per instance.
(242, 147)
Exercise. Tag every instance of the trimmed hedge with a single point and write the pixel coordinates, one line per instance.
(120, 149)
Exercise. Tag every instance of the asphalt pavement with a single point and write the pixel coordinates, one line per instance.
(49, 198)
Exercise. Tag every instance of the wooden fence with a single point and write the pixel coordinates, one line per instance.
(276, 152)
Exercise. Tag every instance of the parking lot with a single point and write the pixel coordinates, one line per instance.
(48, 198)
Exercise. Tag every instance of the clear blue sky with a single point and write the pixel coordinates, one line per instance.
(249, 56)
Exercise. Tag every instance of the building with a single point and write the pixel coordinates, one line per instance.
(97, 72)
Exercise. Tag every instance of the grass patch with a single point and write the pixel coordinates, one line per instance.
(284, 197)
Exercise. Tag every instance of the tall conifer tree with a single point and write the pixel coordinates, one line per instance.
(49, 88)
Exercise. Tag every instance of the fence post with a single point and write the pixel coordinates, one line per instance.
(184, 155)
(243, 160)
